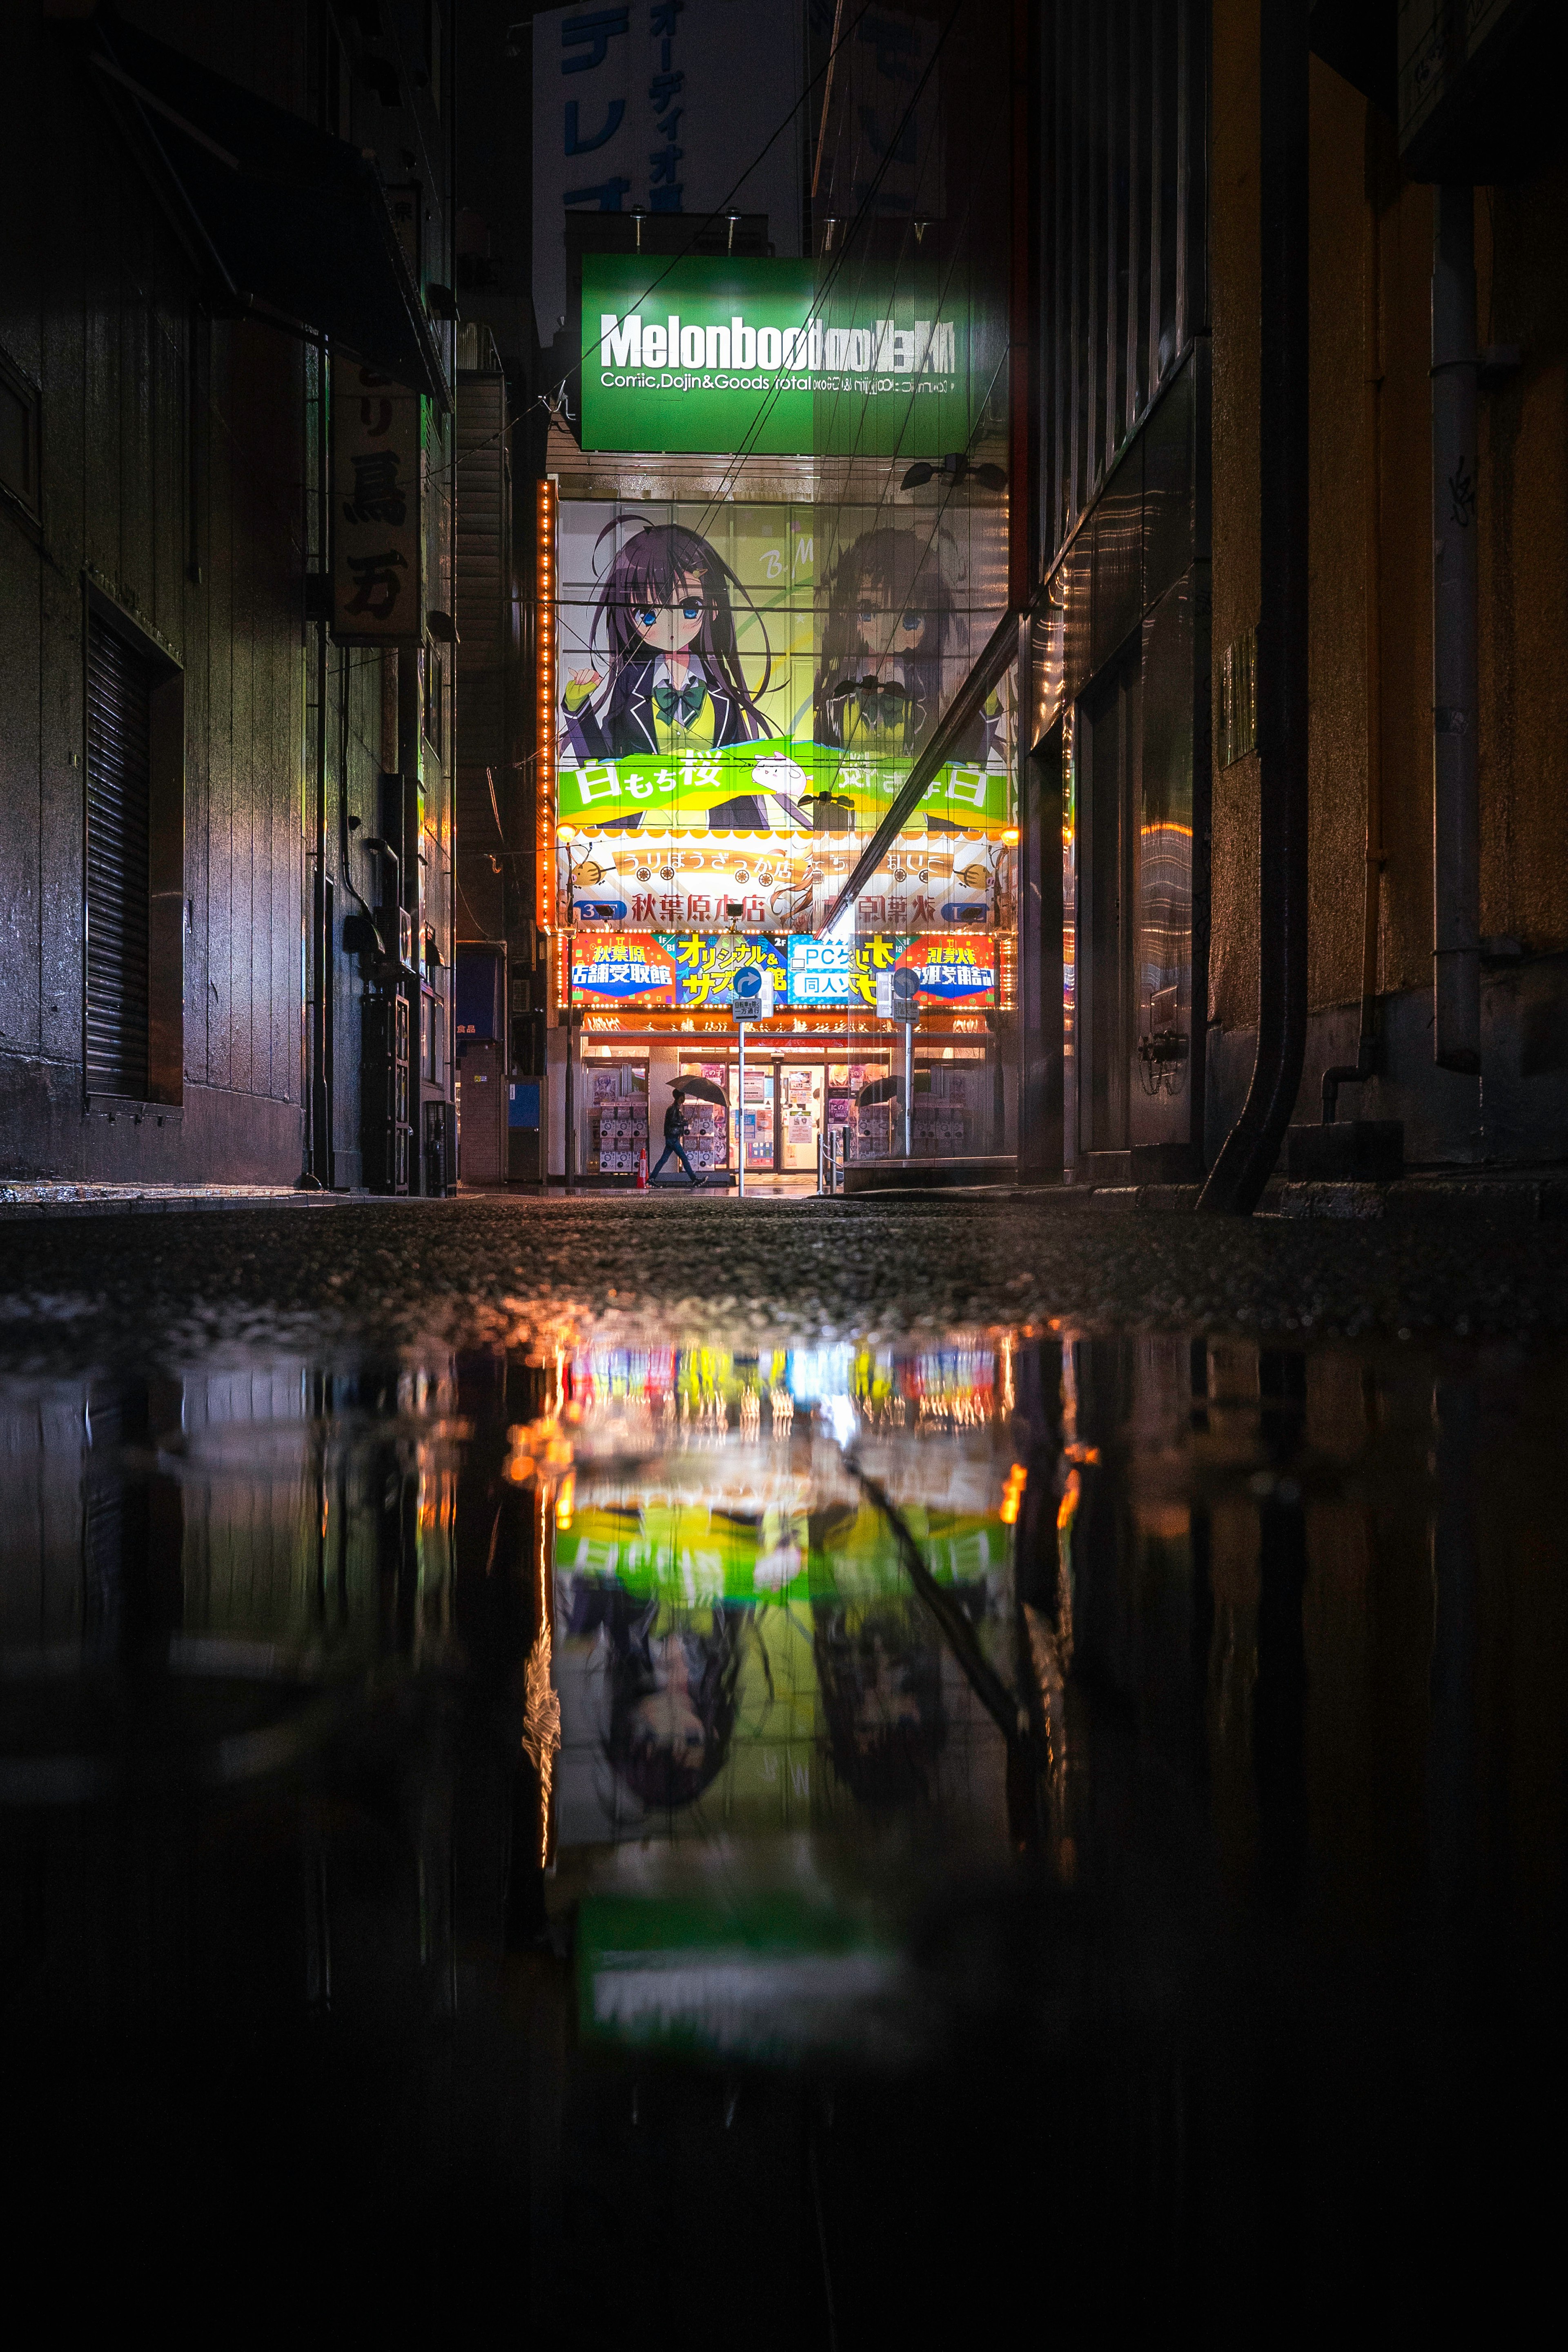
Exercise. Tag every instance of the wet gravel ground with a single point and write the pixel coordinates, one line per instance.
(129, 1287)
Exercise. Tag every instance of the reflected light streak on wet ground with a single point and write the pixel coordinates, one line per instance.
(637, 1838)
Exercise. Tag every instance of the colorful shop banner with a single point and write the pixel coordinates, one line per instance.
(706, 964)
(622, 968)
(954, 968)
(701, 1551)
(774, 670)
(720, 355)
(764, 787)
(829, 972)
(663, 882)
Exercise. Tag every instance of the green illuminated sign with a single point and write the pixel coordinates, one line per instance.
(729, 356)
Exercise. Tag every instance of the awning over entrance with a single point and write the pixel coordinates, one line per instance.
(283, 221)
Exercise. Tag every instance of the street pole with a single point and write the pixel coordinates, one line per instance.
(570, 1139)
(740, 1112)
(908, 1081)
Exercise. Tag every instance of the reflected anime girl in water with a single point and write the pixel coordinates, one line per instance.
(673, 1692)
(672, 682)
(879, 1677)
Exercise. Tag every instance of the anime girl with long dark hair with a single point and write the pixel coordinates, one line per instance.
(673, 678)
(673, 1691)
(890, 624)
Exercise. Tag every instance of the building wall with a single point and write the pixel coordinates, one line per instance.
(179, 478)
(1372, 229)
(171, 467)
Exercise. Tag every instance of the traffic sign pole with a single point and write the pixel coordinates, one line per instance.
(746, 1001)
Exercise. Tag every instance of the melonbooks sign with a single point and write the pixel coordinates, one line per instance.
(719, 356)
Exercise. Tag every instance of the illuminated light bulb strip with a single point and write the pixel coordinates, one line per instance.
(546, 683)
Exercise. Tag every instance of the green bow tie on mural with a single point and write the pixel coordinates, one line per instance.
(679, 708)
(883, 709)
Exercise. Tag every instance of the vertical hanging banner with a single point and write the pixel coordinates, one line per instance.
(378, 482)
(652, 106)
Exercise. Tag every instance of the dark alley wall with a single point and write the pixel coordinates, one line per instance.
(171, 451)
(1372, 503)
(175, 490)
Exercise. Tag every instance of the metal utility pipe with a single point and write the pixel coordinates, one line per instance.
(1365, 1063)
(569, 1141)
(1455, 805)
(908, 1081)
(1246, 1157)
(740, 1112)
(319, 1164)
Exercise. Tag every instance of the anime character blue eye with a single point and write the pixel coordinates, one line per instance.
(913, 624)
(692, 609)
(644, 616)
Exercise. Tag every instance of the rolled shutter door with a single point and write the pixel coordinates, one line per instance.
(117, 722)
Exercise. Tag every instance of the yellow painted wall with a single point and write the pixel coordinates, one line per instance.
(1522, 272)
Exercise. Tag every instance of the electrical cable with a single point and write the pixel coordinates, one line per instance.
(721, 210)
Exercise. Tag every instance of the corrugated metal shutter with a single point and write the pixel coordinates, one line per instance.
(118, 694)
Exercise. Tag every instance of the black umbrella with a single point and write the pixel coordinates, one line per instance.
(881, 1090)
(701, 1090)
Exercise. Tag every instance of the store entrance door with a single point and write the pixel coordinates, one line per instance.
(756, 1115)
(800, 1116)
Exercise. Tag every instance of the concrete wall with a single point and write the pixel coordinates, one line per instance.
(1367, 221)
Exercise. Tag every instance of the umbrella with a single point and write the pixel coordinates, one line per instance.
(881, 1090)
(701, 1090)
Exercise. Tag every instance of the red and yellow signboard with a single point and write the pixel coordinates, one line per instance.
(622, 968)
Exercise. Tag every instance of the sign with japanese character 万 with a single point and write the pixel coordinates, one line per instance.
(378, 586)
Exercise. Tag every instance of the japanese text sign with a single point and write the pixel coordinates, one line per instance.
(622, 968)
(378, 585)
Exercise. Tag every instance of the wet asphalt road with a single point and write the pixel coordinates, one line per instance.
(795, 1269)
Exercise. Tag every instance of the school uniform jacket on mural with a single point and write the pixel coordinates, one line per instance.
(630, 721)
(645, 716)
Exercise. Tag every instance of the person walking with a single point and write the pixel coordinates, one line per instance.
(675, 1138)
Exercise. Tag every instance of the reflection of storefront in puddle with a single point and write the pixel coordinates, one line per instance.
(736, 1641)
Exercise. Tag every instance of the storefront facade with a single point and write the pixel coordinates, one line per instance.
(758, 634)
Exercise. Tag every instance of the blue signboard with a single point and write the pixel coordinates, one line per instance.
(821, 971)
(707, 961)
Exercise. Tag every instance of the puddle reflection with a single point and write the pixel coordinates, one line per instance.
(906, 1715)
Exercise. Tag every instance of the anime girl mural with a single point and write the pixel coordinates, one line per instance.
(672, 680)
(890, 625)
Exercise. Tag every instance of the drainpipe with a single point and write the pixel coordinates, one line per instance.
(1246, 1157)
(1455, 805)
(318, 1173)
(1364, 1066)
